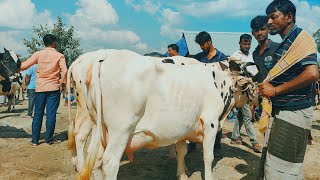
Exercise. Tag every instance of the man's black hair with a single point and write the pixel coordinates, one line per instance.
(202, 38)
(174, 47)
(245, 37)
(284, 6)
(49, 39)
(259, 22)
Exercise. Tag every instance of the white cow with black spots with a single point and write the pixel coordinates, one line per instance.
(145, 103)
(79, 77)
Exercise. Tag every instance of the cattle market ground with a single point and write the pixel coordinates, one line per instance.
(18, 160)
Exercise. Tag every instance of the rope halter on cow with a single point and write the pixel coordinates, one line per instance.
(244, 84)
(250, 88)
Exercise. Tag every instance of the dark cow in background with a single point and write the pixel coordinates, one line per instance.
(10, 79)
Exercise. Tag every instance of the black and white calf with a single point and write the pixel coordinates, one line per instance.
(10, 79)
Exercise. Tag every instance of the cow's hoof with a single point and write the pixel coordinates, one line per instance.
(183, 177)
(74, 160)
(187, 171)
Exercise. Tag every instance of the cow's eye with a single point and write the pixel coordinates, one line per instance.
(5, 59)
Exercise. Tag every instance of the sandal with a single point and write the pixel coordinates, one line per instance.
(54, 142)
(236, 141)
(257, 148)
(33, 144)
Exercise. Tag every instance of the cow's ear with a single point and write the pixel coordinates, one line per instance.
(234, 66)
(18, 64)
(5, 50)
(223, 66)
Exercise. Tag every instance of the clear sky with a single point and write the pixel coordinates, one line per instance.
(139, 25)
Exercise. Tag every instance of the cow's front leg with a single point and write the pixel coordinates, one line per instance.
(10, 100)
(210, 132)
(14, 104)
(181, 148)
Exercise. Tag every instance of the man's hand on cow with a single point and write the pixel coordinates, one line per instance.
(267, 90)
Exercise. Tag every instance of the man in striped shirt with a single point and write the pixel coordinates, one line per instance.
(290, 93)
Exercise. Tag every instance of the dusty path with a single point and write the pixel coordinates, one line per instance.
(18, 160)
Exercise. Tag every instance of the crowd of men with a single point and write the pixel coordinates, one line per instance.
(285, 73)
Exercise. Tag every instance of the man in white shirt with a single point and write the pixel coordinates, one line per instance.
(244, 114)
(244, 55)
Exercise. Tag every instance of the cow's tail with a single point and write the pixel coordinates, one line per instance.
(85, 173)
(71, 134)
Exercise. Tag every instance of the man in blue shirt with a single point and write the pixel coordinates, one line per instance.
(209, 54)
(31, 76)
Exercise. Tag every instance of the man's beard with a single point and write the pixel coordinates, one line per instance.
(273, 32)
(245, 51)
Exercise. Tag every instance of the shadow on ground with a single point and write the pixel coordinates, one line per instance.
(165, 168)
(13, 132)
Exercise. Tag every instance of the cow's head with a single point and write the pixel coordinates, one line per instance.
(240, 67)
(9, 63)
(244, 89)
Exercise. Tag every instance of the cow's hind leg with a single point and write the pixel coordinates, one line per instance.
(181, 147)
(82, 134)
(112, 155)
(97, 169)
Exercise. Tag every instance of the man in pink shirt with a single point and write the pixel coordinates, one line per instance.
(51, 78)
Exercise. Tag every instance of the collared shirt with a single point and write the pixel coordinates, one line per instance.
(265, 61)
(51, 66)
(32, 73)
(202, 57)
(300, 98)
(246, 58)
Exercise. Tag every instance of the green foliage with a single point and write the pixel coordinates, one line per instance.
(316, 35)
(67, 43)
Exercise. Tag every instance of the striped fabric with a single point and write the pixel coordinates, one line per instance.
(303, 46)
(286, 145)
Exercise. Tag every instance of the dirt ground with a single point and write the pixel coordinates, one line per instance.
(18, 160)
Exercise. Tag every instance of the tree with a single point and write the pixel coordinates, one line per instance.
(316, 35)
(67, 43)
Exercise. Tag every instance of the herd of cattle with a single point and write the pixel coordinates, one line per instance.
(128, 101)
